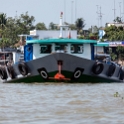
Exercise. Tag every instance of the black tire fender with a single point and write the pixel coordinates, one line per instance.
(97, 68)
(23, 69)
(77, 73)
(3, 73)
(121, 76)
(43, 72)
(11, 72)
(111, 70)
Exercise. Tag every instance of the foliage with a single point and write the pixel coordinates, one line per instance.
(80, 37)
(118, 20)
(40, 26)
(79, 24)
(120, 50)
(25, 23)
(72, 27)
(53, 26)
(3, 20)
(114, 33)
(11, 27)
(112, 54)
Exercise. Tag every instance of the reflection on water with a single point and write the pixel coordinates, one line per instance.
(61, 103)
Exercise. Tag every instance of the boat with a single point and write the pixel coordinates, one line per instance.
(61, 60)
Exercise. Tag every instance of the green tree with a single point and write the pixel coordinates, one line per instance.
(112, 54)
(25, 23)
(120, 51)
(80, 24)
(72, 27)
(53, 26)
(11, 32)
(3, 20)
(118, 20)
(15, 26)
(40, 26)
(114, 33)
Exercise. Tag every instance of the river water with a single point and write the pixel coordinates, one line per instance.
(60, 103)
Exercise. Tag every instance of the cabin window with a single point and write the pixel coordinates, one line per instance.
(77, 48)
(45, 48)
(61, 48)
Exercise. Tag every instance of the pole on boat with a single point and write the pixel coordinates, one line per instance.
(61, 28)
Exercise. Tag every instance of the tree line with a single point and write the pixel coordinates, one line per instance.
(11, 27)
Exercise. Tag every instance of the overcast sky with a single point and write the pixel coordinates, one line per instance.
(49, 10)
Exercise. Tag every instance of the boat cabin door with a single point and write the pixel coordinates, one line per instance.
(28, 52)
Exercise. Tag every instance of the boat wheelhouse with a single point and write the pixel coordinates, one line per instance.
(40, 48)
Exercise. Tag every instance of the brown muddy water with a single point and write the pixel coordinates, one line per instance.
(61, 103)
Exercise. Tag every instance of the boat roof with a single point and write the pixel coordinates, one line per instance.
(102, 55)
(102, 44)
(48, 41)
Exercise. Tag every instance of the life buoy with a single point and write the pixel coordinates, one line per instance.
(3, 73)
(23, 69)
(111, 70)
(43, 73)
(77, 73)
(121, 76)
(97, 68)
(11, 72)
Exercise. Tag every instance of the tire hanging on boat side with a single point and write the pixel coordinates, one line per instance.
(3, 73)
(121, 76)
(111, 70)
(97, 68)
(11, 72)
(77, 73)
(43, 72)
(23, 69)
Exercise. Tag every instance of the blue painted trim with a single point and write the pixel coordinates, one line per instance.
(28, 52)
(92, 51)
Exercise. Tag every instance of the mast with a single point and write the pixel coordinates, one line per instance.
(120, 9)
(72, 12)
(75, 10)
(98, 14)
(60, 24)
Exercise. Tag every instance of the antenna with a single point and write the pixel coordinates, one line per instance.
(100, 16)
(97, 14)
(16, 16)
(75, 10)
(72, 12)
(120, 9)
(64, 11)
(114, 10)
(123, 11)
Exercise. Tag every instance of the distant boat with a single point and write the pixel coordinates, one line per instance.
(61, 59)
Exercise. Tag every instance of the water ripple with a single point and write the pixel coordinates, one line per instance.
(61, 103)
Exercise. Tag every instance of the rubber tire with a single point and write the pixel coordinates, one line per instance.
(111, 70)
(23, 69)
(43, 73)
(100, 67)
(3, 73)
(78, 71)
(11, 72)
(121, 77)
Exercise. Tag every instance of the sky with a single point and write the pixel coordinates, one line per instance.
(49, 10)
